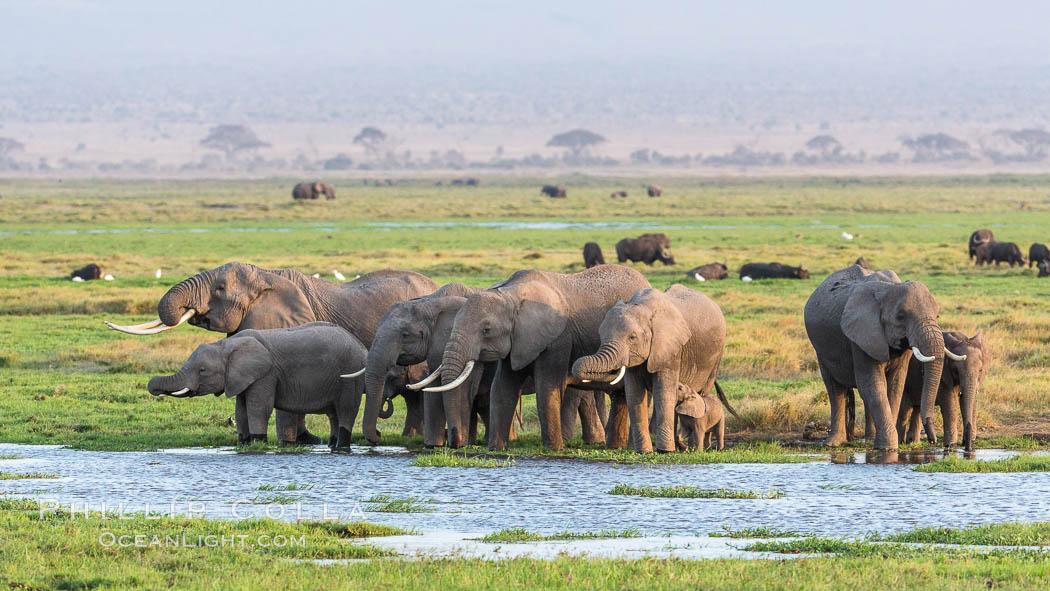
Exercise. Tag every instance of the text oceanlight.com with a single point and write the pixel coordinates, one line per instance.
(184, 540)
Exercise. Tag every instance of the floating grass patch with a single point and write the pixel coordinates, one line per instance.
(286, 487)
(520, 534)
(277, 499)
(996, 534)
(10, 457)
(450, 459)
(757, 532)
(260, 447)
(758, 452)
(26, 475)
(1021, 463)
(692, 492)
(389, 504)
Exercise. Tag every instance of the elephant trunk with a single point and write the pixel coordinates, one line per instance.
(600, 366)
(968, 403)
(458, 422)
(381, 357)
(930, 341)
(164, 385)
(183, 296)
(459, 350)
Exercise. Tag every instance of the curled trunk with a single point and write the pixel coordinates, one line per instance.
(182, 296)
(600, 366)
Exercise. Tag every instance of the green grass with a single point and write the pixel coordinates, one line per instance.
(450, 459)
(10, 457)
(26, 475)
(390, 504)
(755, 452)
(277, 499)
(997, 534)
(757, 532)
(692, 492)
(1021, 463)
(519, 534)
(291, 486)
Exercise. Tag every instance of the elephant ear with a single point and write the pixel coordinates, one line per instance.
(247, 361)
(539, 320)
(670, 333)
(862, 322)
(276, 302)
(693, 406)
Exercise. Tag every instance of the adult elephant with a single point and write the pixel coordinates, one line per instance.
(961, 381)
(239, 296)
(864, 327)
(655, 341)
(313, 191)
(536, 324)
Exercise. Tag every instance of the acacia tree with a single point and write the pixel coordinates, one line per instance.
(937, 147)
(825, 144)
(577, 140)
(372, 139)
(231, 139)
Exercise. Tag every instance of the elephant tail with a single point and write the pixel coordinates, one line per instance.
(725, 403)
(388, 409)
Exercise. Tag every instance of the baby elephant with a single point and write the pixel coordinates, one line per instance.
(291, 369)
(700, 418)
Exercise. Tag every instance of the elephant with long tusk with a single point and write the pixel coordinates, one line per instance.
(865, 328)
(239, 296)
(536, 324)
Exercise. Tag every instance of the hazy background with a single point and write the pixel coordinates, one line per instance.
(132, 87)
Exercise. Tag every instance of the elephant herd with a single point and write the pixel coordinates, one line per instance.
(637, 365)
(984, 247)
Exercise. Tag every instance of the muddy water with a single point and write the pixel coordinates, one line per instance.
(825, 497)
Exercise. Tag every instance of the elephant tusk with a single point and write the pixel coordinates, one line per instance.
(355, 374)
(427, 380)
(918, 355)
(455, 383)
(143, 326)
(585, 381)
(179, 392)
(159, 327)
(953, 355)
(619, 376)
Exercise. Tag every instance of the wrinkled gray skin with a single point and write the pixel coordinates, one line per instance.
(535, 324)
(239, 296)
(292, 369)
(862, 325)
(313, 191)
(961, 382)
(701, 420)
(663, 339)
(412, 332)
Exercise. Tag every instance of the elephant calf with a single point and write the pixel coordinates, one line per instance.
(292, 369)
(961, 381)
(700, 418)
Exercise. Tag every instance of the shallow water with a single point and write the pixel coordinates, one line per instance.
(850, 497)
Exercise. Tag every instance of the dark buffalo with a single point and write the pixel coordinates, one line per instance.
(313, 191)
(466, 182)
(773, 271)
(592, 255)
(999, 252)
(554, 191)
(88, 272)
(978, 238)
(647, 248)
(1044, 268)
(660, 238)
(1037, 252)
(863, 263)
(618, 195)
(655, 190)
(709, 271)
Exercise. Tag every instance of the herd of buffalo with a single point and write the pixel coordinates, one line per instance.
(985, 248)
(637, 366)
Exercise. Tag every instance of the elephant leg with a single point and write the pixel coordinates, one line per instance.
(951, 418)
(433, 419)
(593, 429)
(303, 436)
(240, 414)
(287, 425)
(869, 425)
(896, 375)
(902, 422)
(665, 394)
(617, 427)
(346, 409)
(872, 384)
(549, 373)
(638, 409)
(837, 398)
(851, 415)
(503, 399)
(333, 430)
(413, 414)
(570, 406)
(601, 407)
(260, 407)
(914, 426)
(721, 433)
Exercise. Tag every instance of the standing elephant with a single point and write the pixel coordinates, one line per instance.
(654, 341)
(978, 238)
(412, 332)
(969, 359)
(292, 369)
(647, 249)
(1037, 253)
(592, 255)
(1000, 252)
(864, 327)
(536, 323)
(700, 418)
(239, 296)
(313, 191)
